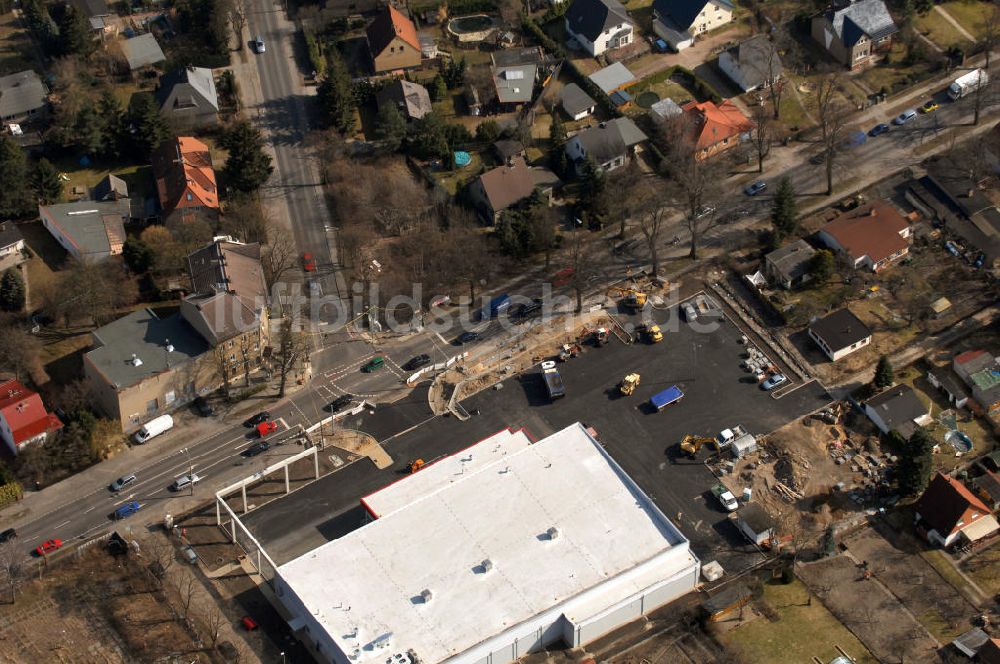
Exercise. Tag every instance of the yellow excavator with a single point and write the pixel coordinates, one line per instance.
(692, 444)
(629, 384)
(634, 299)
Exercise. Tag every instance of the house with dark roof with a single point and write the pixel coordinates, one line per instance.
(512, 57)
(90, 231)
(23, 418)
(980, 370)
(505, 186)
(507, 148)
(22, 96)
(102, 20)
(788, 266)
(393, 42)
(110, 188)
(679, 22)
(897, 408)
(855, 34)
(947, 511)
(871, 236)
(839, 334)
(755, 523)
(514, 85)
(716, 128)
(187, 97)
(987, 488)
(610, 144)
(12, 251)
(411, 99)
(952, 389)
(142, 52)
(990, 652)
(599, 25)
(185, 180)
(753, 63)
(576, 103)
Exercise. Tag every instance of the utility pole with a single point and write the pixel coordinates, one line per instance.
(187, 451)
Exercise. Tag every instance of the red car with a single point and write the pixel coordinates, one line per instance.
(563, 277)
(249, 623)
(48, 546)
(265, 428)
(308, 262)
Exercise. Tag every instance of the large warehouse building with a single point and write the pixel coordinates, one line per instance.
(491, 553)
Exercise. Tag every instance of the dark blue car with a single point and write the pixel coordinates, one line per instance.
(879, 129)
(755, 188)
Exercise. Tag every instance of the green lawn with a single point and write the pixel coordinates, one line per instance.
(971, 14)
(454, 180)
(984, 569)
(939, 31)
(793, 115)
(139, 177)
(800, 633)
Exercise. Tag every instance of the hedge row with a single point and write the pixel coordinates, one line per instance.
(10, 490)
(456, 7)
(578, 76)
(316, 56)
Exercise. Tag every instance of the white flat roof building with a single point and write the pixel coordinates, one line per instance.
(501, 549)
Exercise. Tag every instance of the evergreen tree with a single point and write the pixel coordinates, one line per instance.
(487, 131)
(784, 214)
(390, 127)
(15, 194)
(336, 97)
(112, 118)
(821, 266)
(557, 131)
(427, 138)
(149, 127)
(11, 291)
(594, 202)
(883, 374)
(138, 256)
(558, 161)
(915, 463)
(74, 31)
(88, 130)
(439, 90)
(248, 166)
(454, 73)
(45, 182)
(40, 24)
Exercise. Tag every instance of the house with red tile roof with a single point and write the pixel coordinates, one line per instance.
(185, 180)
(716, 128)
(393, 41)
(948, 511)
(23, 418)
(871, 236)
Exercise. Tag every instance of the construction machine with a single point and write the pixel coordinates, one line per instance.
(652, 332)
(629, 383)
(634, 299)
(415, 465)
(692, 444)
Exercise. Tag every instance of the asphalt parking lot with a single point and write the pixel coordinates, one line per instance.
(705, 365)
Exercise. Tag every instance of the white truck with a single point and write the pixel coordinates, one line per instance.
(153, 428)
(727, 436)
(725, 497)
(968, 82)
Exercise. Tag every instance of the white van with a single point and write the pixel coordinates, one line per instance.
(153, 428)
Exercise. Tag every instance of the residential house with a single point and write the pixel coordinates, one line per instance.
(599, 25)
(506, 149)
(22, 96)
(142, 52)
(185, 181)
(12, 251)
(503, 187)
(716, 128)
(103, 22)
(872, 236)
(344, 8)
(942, 379)
(990, 652)
(512, 57)
(411, 99)
(755, 523)
(90, 231)
(110, 188)
(788, 266)
(971, 642)
(610, 144)
(981, 372)
(855, 34)
(514, 85)
(987, 488)
(187, 97)
(613, 78)
(665, 109)
(142, 366)
(897, 408)
(576, 103)
(23, 418)
(839, 334)
(753, 63)
(393, 42)
(947, 511)
(678, 22)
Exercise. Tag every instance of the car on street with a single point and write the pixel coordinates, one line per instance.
(417, 362)
(48, 546)
(258, 44)
(879, 129)
(773, 381)
(259, 447)
(122, 482)
(755, 188)
(904, 117)
(202, 407)
(265, 428)
(930, 107)
(8, 535)
(126, 510)
(308, 262)
(468, 337)
(373, 364)
(262, 416)
(340, 403)
(705, 211)
(185, 480)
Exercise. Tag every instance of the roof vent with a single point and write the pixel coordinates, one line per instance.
(170, 346)
(136, 362)
(487, 565)
(553, 533)
(426, 595)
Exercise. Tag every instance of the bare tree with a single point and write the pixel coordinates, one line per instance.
(11, 568)
(19, 350)
(991, 31)
(213, 619)
(652, 216)
(832, 112)
(277, 258)
(761, 135)
(90, 292)
(246, 354)
(224, 365)
(292, 346)
(187, 588)
(161, 554)
(544, 221)
(238, 20)
(768, 68)
(246, 220)
(581, 262)
(980, 96)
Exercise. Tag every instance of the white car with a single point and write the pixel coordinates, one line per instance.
(904, 117)
(184, 481)
(258, 44)
(122, 482)
(690, 313)
(774, 381)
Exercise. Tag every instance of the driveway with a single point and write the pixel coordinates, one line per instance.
(704, 50)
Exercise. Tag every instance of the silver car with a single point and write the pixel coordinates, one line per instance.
(122, 482)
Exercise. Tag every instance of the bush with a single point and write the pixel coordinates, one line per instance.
(316, 57)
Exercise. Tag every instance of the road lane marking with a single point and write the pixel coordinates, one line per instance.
(64, 523)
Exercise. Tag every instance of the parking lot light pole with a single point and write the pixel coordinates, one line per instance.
(282, 658)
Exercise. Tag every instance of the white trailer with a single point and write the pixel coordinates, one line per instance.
(153, 428)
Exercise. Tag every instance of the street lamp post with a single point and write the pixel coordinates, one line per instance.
(187, 451)
(282, 658)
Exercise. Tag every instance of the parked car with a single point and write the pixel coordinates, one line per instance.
(259, 447)
(904, 117)
(122, 482)
(248, 623)
(373, 364)
(127, 510)
(705, 211)
(755, 188)
(417, 362)
(468, 337)
(202, 407)
(48, 546)
(690, 313)
(258, 44)
(528, 308)
(340, 403)
(265, 428)
(308, 262)
(930, 107)
(8, 535)
(262, 416)
(184, 481)
(879, 129)
(774, 381)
